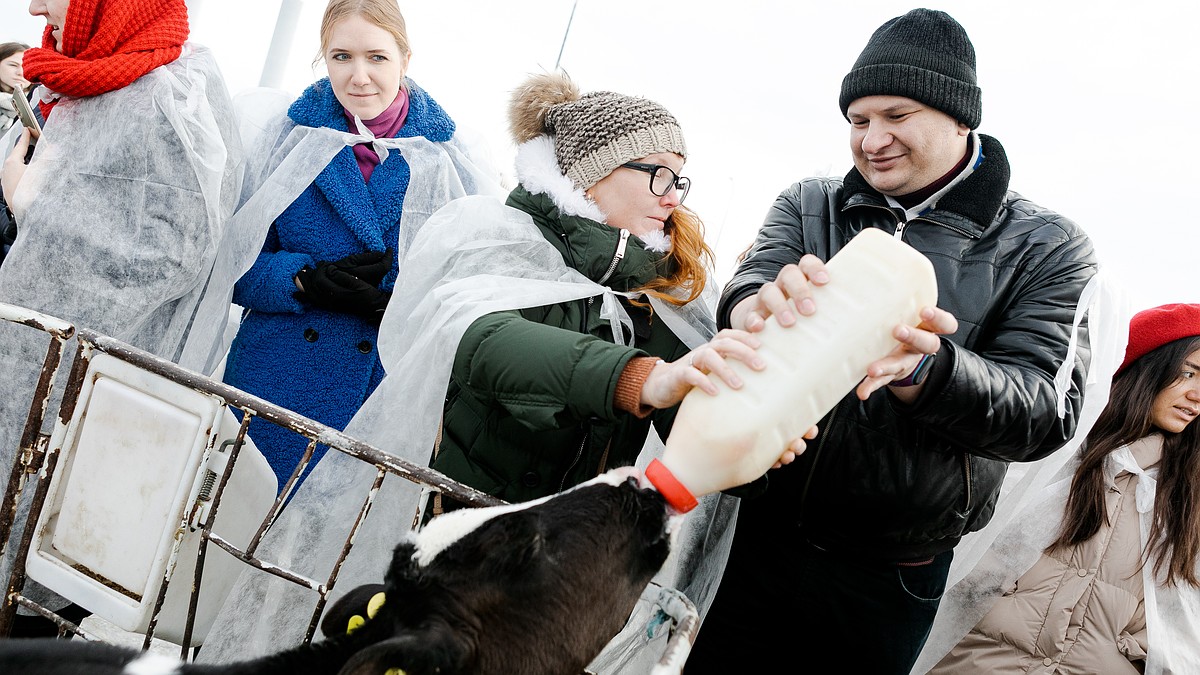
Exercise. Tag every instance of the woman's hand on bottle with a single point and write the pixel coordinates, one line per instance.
(787, 297)
(915, 343)
(668, 383)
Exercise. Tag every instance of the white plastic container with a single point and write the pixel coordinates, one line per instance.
(876, 283)
(138, 456)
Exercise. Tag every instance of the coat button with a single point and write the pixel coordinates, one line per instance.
(1083, 573)
(1047, 661)
(310, 334)
(364, 347)
(530, 479)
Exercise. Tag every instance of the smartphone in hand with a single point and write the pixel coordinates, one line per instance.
(25, 113)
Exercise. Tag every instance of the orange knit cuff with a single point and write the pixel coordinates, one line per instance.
(628, 397)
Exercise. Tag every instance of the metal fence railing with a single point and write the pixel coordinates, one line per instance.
(39, 455)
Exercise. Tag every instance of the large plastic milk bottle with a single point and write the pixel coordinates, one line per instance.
(876, 282)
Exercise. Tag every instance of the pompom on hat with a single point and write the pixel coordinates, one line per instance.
(924, 55)
(1152, 328)
(593, 133)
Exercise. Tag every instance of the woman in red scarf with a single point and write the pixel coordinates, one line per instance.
(121, 209)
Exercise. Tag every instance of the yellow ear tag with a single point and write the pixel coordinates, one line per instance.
(374, 605)
(354, 623)
(395, 671)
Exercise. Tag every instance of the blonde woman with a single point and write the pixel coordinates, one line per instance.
(314, 296)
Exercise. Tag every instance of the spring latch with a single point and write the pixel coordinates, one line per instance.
(204, 495)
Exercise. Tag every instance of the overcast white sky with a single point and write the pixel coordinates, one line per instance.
(1086, 97)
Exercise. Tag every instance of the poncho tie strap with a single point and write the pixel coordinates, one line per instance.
(106, 50)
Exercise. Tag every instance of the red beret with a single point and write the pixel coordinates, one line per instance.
(1152, 328)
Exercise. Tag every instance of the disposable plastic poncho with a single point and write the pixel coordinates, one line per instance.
(285, 158)
(1029, 515)
(121, 215)
(474, 257)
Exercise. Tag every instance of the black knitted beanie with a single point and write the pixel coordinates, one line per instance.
(924, 55)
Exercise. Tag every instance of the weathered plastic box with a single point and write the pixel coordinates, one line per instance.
(139, 456)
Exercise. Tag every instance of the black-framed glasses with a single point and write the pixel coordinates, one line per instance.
(662, 179)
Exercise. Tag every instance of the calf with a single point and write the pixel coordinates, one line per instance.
(524, 589)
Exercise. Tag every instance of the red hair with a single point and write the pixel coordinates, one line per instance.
(687, 263)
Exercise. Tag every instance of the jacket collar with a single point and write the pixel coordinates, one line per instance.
(973, 204)
(319, 107)
(369, 210)
(574, 224)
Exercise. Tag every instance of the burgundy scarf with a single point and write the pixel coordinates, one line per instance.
(386, 125)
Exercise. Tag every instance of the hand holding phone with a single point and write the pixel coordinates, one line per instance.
(13, 169)
(25, 113)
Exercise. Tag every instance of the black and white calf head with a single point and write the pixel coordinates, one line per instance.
(526, 589)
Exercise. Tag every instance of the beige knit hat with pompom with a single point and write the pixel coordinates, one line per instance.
(594, 133)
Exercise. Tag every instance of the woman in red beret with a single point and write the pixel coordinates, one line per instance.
(1117, 590)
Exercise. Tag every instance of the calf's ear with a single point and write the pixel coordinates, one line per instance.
(351, 610)
(431, 652)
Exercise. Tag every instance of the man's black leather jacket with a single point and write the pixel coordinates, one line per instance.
(902, 482)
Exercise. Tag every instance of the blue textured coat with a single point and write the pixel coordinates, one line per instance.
(321, 364)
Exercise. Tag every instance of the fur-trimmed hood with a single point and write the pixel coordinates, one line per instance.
(538, 172)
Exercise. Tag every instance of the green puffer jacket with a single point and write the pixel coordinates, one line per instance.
(529, 411)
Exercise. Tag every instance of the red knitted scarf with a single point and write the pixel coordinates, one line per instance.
(107, 44)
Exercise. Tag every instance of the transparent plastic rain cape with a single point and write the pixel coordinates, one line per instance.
(121, 215)
(284, 159)
(1029, 513)
(473, 257)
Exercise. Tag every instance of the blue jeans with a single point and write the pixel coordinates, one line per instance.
(795, 608)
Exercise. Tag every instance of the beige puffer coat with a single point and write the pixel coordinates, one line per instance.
(1077, 611)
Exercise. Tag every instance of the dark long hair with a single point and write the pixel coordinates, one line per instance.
(1174, 541)
(7, 49)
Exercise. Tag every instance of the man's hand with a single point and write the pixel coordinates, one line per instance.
(795, 448)
(915, 342)
(785, 298)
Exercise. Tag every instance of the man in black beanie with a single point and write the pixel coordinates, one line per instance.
(851, 543)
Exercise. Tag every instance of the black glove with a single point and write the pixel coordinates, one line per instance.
(371, 266)
(348, 285)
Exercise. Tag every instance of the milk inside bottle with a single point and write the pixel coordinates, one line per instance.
(876, 282)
